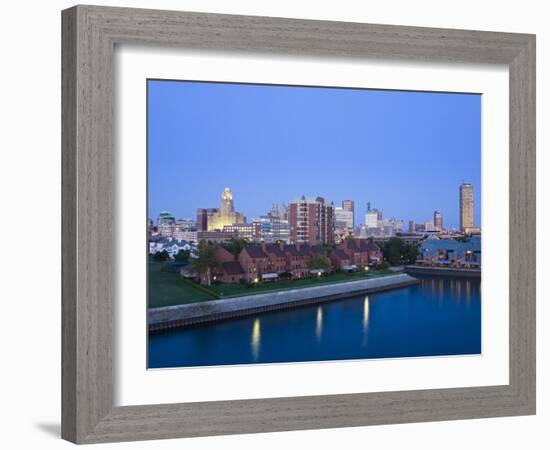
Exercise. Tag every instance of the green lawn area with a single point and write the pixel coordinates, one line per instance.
(236, 290)
(167, 289)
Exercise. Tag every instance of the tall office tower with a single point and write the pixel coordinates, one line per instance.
(438, 221)
(372, 217)
(411, 226)
(202, 221)
(273, 228)
(466, 207)
(275, 212)
(349, 207)
(226, 205)
(429, 226)
(311, 221)
(343, 219)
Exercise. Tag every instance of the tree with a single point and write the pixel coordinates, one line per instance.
(411, 254)
(182, 256)
(235, 246)
(329, 248)
(161, 256)
(394, 251)
(397, 252)
(319, 261)
(205, 262)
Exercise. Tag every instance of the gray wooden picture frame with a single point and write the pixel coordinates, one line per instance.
(90, 34)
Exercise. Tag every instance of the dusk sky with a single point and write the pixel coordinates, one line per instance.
(404, 152)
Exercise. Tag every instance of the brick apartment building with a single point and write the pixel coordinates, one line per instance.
(254, 261)
(272, 262)
(311, 221)
(356, 252)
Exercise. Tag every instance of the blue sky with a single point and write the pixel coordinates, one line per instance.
(405, 152)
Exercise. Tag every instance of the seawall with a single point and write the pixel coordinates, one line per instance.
(443, 271)
(210, 311)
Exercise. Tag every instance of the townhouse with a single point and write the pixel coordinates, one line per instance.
(271, 262)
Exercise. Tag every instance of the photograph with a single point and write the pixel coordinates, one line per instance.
(264, 225)
(292, 224)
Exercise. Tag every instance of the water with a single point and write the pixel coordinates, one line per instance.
(440, 316)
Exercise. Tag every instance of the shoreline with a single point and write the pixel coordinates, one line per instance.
(178, 316)
(443, 271)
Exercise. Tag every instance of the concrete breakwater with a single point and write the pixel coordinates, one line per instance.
(443, 271)
(209, 311)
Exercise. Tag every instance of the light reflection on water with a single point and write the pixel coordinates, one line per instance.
(319, 324)
(255, 340)
(440, 291)
(366, 309)
(437, 317)
(366, 313)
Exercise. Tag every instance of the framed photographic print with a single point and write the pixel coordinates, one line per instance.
(268, 222)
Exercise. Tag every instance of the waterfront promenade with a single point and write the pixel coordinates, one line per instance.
(214, 310)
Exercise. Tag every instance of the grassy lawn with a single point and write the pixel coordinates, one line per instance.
(236, 290)
(167, 289)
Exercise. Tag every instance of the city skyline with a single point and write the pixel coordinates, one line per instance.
(200, 142)
(437, 221)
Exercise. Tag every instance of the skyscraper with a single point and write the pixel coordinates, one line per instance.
(438, 221)
(226, 214)
(202, 219)
(466, 207)
(204, 216)
(343, 219)
(348, 208)
(372, 217)
(348, 205)
(311, 221)
(411, 226)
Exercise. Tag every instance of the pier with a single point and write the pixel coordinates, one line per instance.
(214, 310)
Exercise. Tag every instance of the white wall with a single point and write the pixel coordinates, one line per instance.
(30, 205)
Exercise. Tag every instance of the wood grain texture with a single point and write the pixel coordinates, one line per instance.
(89, 36)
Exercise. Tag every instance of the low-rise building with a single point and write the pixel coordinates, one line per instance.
(277, 258)
(188, 236)
(340, 260)
(270, 262)
(297, 260)
(255, 263)
(215, 236)
(231, 272)
(362, 252)
(458, 253)
(169, 245)
(250, 231)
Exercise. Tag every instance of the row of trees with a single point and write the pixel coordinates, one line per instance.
(182, 256)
